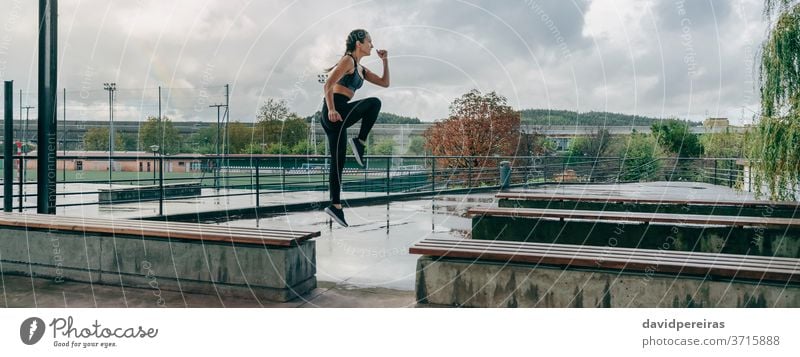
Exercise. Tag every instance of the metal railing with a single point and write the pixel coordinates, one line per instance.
(255, 175)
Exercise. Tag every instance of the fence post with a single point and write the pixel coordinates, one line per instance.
(21, 184)
(258, 183)
(469, 174)
(8, 146)
(715, 172)
(283, 178)
(366, 168)
(161, 185)
(730, 173)
(388, 176)
(433, 174)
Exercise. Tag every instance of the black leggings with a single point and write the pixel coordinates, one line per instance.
(365, 110)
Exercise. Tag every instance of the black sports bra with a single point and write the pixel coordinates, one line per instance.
(353, 81)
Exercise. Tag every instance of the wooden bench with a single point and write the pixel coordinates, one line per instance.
(132, 193)
(637, 217)
(684, 232)
(273, 264)
(521, 274)
(767, 209)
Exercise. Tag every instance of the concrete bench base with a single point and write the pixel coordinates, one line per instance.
(470, 283)
(266, 272)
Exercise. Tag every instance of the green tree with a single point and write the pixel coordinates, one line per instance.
(240, 137)
(203, 141)
(416, 146)
(725, 144)
(161, 133)
(382, 147)
(674, 136)
(97, 139)
(640, 154)
(594, 145)
(276, 125)
(773, 151)
(129, 142)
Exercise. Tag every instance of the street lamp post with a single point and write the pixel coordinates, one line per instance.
(154, 149)
(111, 88)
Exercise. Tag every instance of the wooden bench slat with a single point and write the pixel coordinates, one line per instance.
(645, 217)
(662, 252)
(166, 230)
(135, 224)
(621, 199)
(154, 229)
(177, 225)
(625, 261)
(577, 253)
(782, 263)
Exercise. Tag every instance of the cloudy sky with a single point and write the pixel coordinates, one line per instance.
(663, 58)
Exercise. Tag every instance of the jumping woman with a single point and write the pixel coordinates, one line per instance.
(339, 113)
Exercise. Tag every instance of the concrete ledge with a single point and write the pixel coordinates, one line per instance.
(469, 283)
(267, 272)
(712, 239)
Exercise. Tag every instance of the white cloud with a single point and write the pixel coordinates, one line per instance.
(616, 55)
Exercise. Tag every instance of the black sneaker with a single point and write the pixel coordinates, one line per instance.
(337, 214)
(358, 150)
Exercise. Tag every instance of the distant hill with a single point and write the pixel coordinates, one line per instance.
(385, 118)
(566, 117)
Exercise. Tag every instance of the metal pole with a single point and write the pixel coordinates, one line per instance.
(258, 185)
(227, 148)
(110, 87)
(161, 184)
(433, 174)
(161, 125)
(469, 174)
(715, 172)
(25, 131)
(8, 146)
(21, 184)
(155, 162)
(217, 162)
(47, 135)
(64, 140)
(366, 168)
(388, 177)
(283, 179)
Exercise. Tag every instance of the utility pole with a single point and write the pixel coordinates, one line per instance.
(111, 88)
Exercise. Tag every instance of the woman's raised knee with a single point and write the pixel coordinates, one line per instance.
(374, 102)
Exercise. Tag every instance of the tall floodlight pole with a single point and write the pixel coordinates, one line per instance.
(110, 87)
(47, 129)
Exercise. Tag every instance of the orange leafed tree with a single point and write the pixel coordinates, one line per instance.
(481, 125)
